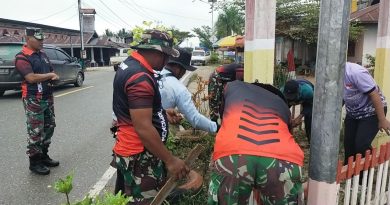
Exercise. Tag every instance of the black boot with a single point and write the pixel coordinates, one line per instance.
(46, 160)
(37, 166)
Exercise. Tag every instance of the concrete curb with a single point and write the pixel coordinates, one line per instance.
(99, 68)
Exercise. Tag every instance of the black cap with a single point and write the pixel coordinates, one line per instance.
(291, 90)
(184, 60)
(35, 32)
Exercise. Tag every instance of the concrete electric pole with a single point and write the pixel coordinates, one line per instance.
(331, 58)
(82, 51)
(382, 62)
(259, 40)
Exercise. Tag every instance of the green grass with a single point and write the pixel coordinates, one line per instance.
(181, 148)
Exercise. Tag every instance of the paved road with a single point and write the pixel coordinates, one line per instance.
(81, 142)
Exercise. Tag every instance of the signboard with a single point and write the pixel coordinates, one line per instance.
(83, 54)
(213, 39)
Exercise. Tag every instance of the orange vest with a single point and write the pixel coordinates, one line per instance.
(255, 123)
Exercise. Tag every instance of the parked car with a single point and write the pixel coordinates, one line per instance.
(199, 57)
(67, 68)
(119, 57)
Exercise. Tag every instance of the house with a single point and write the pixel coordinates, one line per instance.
(99, 49)
(366, 43)
(367, 15)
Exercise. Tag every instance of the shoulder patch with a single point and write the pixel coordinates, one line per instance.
(123, 66)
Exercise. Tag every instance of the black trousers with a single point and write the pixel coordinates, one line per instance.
(359, 134)
(308, 118)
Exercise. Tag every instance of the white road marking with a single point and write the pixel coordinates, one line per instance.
(99, 186)
(185, 77)
(74, 91)
(110, 172)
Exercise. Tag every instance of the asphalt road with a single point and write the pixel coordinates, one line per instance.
(81, 142)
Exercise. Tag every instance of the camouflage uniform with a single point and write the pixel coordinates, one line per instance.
(215, 89)
(234, 177)
(139, 176)
(217, 81)
(40, 124)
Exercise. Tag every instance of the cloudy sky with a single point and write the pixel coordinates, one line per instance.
(112, 14)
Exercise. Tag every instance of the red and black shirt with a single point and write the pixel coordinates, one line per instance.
(28, 61)
(135, 87)
(255, 123)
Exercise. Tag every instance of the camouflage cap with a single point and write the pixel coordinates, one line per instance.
(157, 40)
(35, 32)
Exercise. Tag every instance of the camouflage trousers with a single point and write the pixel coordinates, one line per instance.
(140, 176)
(215, 90)
(233, 179)
(40, 124)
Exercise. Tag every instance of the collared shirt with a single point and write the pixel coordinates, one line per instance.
(175, 94)
(28, 61)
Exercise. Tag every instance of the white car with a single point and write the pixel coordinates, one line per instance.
(200, 57)
(119, 57)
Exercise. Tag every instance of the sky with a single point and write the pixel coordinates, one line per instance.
(112, 14)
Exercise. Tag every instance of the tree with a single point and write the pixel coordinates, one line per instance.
(230, 21)
(108, 33)
(180, 36)
(298, 19)
(177, 35)
(204, 35)
(123, 33)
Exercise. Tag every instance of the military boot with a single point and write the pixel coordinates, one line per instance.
(46, 160)
(37, 166)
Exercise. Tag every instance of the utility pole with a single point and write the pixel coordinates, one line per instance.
(260, 21)
(382, 62)
(331, 58)
(82, 52)
(212, 17)
(213, 39)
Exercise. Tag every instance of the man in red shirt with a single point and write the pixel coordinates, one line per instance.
(139, 152)
(37, 95)
(254, 149)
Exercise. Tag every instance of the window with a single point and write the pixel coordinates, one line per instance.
(8, 52)
(51, 54)
(62, 56)
(198, 53)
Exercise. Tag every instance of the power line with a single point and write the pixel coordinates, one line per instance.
(141, 10)
(115, 25)
(105, 16)
(114, 13)
(66, 20)
(172, 14)
(138, 12)
(56, 13)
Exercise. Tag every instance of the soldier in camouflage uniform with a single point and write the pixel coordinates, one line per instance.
(37, 95)
(140, 156)
(217, 81)
(254, 149)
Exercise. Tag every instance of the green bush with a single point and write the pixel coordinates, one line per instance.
(280, 75)
(64, 186)
(214, 58)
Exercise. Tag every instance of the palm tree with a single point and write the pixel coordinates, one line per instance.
(230, 21)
